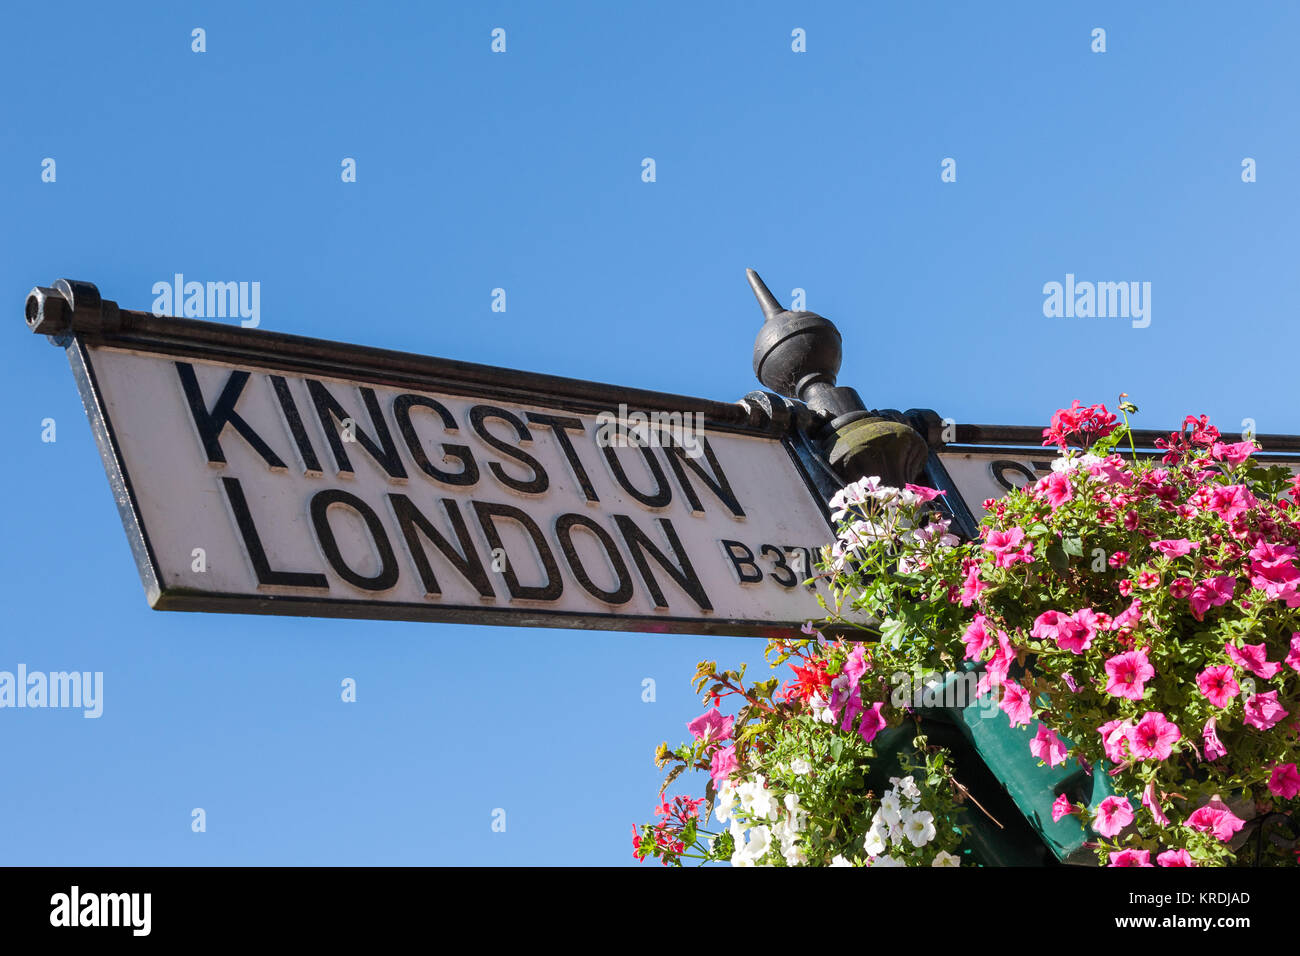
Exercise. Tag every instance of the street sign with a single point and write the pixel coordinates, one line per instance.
(266, 473)
(987, 461)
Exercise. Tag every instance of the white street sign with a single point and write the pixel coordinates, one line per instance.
(251, 488)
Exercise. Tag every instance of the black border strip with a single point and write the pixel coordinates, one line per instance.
(302, 355)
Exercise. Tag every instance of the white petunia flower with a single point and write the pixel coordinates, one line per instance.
(857, 493)
(839, 861)
(887, 861)
(726, 802)
(919, 827)
(874, 843)
(799, 766)
(757, 800)
(1064, 464)
(796, 815)
(944, 858)
(760, 841)
(890, 808)
(906, 786)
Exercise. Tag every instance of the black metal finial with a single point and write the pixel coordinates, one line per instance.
(766, 300)
(798, 355)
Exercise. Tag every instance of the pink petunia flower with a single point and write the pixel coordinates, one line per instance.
(1055, 489)
(977, 638)
(972, 586)
(1006, 547)
(1129, 616)
(1254, 658)
(1212, 592)
(1214, 748)
(995, 671)
(1076, 632)
(1130, 858)
(1228, 501)
(1293, 658)
(872, 722)
(1233, 454)
(1153, 737)
(1114, 735)
(723, 764)
(711, 726)
(1152, 802)
(1016, 704)
(1218, 684)
(922, 493)
(1216, 818)
(1113, 815)
(1048, 747)
(1263, 711)
(1175, 547)
(1061, 808)
(1175, 858)
(1129, 673)
(1284, 782)
(1047, 625)
(1272, 570)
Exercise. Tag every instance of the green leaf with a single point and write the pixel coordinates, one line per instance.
(1057, 558)
(1072, 545)
(892, 632)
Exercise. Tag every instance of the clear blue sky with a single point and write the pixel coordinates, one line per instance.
(523, 171)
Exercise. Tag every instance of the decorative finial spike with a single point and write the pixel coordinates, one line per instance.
(766, 300)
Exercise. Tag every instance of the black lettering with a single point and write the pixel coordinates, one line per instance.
(211, 424)
(639, 544)
(320, 505)
(716, 482)
(1001, 466)
(561, 426)
(742, 557)
(383, 451)
(412, 523)
(786, 582)
(564, 526)
(468, 474)
(487, 513)
(256, 553)
(289, 408)
(663, 493)
(538, 484)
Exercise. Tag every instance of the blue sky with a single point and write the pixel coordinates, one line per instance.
(522, 170)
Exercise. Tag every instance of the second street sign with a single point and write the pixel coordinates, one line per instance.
(266, 473)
